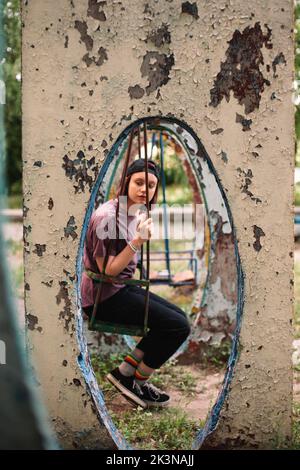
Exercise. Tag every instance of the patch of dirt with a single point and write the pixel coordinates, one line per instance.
(198, 402)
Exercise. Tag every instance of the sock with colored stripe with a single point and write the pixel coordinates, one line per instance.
(129, 365)
(140, 376)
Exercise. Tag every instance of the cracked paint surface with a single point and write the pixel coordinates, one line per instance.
(258, 232)
(160, 36)
(190, 9)
(80, 170)
(234, 50)
(32, 321)
(70, 228)
(63, 297)
(241, 73)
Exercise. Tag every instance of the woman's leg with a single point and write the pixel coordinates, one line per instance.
(168, 324)
(169, 328)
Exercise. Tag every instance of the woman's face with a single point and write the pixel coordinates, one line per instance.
(137, 187)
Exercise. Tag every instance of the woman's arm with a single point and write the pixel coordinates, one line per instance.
(116, 264)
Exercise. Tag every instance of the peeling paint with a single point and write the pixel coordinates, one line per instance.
(77, 382)
(190, 9)
(102, 57)
(195, 42)
(258, 232)
(31, 322)
(93, 10)
(66, 314)
(156, 67)
(244, 187)
(48, 284)
(81, 26)
(240, 72)
(217, 131)
(136, 92)
(159, 36)
(279, 59)
(246, 123)
(50, 204)
(78, 171)
(224, 156)
(39, 249)
(70, 228)
(25, 211)
(72, 278)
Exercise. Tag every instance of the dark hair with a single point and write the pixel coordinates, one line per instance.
(139, 165)
(152, 168)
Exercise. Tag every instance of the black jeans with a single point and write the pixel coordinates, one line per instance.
(167, 323)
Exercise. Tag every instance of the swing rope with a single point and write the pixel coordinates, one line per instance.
(103, 277)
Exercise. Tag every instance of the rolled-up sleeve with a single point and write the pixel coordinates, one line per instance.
(104, 236)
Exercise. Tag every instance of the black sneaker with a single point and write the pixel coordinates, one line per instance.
(127, 385)
(152, 396)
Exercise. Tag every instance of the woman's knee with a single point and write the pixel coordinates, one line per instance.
(183, 326)
(187, 329)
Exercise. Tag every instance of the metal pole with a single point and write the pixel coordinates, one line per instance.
(163, 180)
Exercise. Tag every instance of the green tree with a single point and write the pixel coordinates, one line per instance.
(12, 78)
(297, 78)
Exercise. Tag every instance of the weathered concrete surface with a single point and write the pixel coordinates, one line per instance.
(226, 69)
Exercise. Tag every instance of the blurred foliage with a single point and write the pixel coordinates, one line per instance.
(12, 78)
(178, 188)
(297, 78)
(297, 194)
(296, 319)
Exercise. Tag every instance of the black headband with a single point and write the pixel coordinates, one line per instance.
(139, 165)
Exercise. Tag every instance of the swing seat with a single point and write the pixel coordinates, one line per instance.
(117, 328)
(160, 275)
(184, 277)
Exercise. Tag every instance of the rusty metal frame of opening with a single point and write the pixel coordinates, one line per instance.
(196, 152)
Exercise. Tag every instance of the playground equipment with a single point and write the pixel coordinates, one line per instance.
(96, 324)
(186, 278)
(224, 98)
(23, 420)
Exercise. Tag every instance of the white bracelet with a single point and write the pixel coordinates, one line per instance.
(134, 248)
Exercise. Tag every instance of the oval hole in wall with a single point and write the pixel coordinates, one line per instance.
(215, 306)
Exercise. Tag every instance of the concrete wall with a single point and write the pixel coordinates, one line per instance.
(224, 68)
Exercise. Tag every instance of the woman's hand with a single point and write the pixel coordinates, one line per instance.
(144, 229)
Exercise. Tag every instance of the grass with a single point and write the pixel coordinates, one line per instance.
(102, 367)
(18, 277)
(15, 201)
(153, 429)
(296, 321)
(296, 427)
(15, 249)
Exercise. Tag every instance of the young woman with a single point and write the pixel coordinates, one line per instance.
(168, 325)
